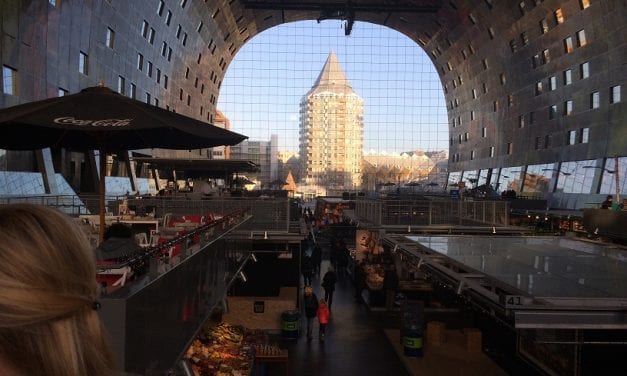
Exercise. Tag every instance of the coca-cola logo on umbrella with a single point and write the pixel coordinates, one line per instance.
(94, 123)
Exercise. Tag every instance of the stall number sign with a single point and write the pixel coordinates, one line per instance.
(512, 301)
(259, 306)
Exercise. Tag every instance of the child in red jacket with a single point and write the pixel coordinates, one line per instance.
(323, 317)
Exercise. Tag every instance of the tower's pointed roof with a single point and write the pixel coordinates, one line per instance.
(332, 73)
(331, 78)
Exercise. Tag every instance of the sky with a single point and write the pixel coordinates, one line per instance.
(403, 97)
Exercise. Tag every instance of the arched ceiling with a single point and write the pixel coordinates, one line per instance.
(420, 20)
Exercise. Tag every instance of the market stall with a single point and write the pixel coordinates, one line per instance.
(229, 350)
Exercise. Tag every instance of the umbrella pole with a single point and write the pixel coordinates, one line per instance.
(101, 193)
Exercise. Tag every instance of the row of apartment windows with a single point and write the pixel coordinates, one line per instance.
(536, 60)
(573, 137)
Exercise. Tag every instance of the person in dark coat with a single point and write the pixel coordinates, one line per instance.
(307, 269)
(316, 258)
(310, 303)
(118, 244)
(328, 283)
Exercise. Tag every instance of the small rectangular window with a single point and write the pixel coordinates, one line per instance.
(189, 99)
(168, 18)
(538, 88)
(615, 94)
(538, 143)
(62, 92)
(147, 97)
(491, 151)
(535, 60)
(568, 108)
(546, 57)
(531, 117)
(178, 31)
(151, 36)
(484, 132)
(121, 85)
(140, 61)
(149, 70)
(581, 38)
(187, 73)
(472, 155)
(83, 63)
(552, 83)
(485, 88)
(552, 111)
(165, 81)
(156, 102)
(133, 91)
(512, 46)
(183, 3)
(158, 75)
(144, 29)
(9, 80)
(491, 32)
(160, 7)
(521, 121)
(472, 115)
(568, 45)
(485, 63)
(169, 53)
(502, 78)
(572, 138)
(495, 106)
(559, 16)
(595, 100)
(510, 100)
(510, 148)
(568, 77)
(584, 4)
(584, 134)
(474, 93)
(199, 27)
(524, 38)
(110, 38)
(164, 48)
(184, 39)
(544, 26)
(584, 70)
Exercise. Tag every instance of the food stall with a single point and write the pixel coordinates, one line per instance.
(231, 350)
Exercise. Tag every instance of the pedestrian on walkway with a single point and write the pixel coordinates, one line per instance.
(310, 302)
(323, 318)
(316, 258)
(307, 268)
(328, 284)
(359, 280)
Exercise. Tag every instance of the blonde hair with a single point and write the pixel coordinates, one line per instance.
(48, 325)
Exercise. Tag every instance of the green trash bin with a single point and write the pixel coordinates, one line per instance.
(290, 324)
(412, 342)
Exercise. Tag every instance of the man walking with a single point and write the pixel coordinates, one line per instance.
(328, 283)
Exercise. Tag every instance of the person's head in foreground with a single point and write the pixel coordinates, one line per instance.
(48, 320)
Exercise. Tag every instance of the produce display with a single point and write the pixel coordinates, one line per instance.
(374, 276)
(226, 350)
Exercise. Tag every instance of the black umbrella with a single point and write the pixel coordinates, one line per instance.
(98, 118)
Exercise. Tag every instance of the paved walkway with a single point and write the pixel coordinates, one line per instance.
(355, 342)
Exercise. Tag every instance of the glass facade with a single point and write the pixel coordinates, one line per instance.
(580, 178)
(608, 180)
(538, 178)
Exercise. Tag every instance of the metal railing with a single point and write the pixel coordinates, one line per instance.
(421, 212)
(268, 214)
